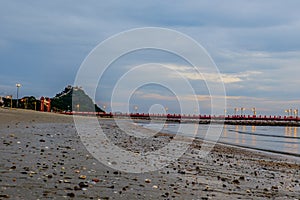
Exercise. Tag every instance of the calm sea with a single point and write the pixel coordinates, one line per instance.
(277, 139)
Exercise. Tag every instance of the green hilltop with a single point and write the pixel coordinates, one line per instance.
(74, 99)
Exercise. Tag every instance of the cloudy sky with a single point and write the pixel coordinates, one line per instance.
(255, 45)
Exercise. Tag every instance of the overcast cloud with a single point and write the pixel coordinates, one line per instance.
(255, 45)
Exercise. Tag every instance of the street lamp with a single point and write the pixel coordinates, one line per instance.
(254, 111)
(135, 108)
(235, 110)
(287, 111)
(296, 112)
(18, 85)
(166, 108)
(242, 109)
(78, 106)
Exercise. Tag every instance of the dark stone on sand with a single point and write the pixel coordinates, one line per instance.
(223, 179)
(83, 184)
(71, 194)
(26, 168)
(77, 188)
(125, 188)
(111, 187)
(274, 187)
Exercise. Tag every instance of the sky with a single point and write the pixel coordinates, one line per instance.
(254, 44)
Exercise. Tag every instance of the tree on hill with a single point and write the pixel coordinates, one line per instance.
(74, 99)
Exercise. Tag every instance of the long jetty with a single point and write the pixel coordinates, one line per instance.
(263, 120)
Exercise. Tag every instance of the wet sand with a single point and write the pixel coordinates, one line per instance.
(42, 157)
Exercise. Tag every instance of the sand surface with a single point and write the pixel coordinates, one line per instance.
(42, 157)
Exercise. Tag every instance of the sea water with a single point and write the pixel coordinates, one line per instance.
(277, 139)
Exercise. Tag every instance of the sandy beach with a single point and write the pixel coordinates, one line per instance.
(42, 157)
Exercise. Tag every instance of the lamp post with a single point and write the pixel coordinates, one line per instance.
(296, 112)
(136, 108)
(287, 111)
(242, 109)
(254, 111)
(166, 108)
(235, 110)
(18, 85)
(78, 106)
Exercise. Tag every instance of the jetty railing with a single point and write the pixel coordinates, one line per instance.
(186, 116)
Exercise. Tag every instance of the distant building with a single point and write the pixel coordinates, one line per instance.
(1, 102)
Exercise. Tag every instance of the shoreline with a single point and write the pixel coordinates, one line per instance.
(267, 151)
(42, 157)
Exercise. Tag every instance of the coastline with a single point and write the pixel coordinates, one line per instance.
(42, 157)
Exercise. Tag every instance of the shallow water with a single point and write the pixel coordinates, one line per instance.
(277, 139)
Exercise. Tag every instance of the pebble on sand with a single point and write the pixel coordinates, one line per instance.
(82, 177)
(147, 180)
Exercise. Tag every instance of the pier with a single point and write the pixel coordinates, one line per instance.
(258, 120)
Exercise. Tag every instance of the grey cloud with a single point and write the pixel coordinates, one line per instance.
(55, 37)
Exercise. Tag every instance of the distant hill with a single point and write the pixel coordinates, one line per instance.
(81, 101)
